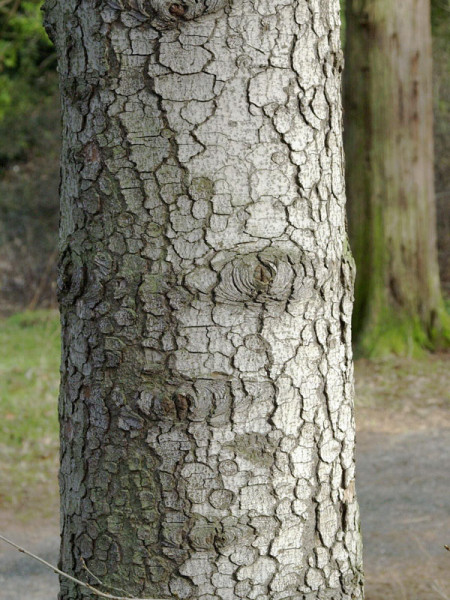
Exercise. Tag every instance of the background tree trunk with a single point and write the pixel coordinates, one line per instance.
(206, 293)
(389, 152)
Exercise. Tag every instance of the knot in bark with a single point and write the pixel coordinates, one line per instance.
(177, 10)
(71, 278)
(263, 275)
(168, 13)
(257, 277)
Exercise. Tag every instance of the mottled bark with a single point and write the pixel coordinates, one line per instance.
(389, 151)
(206, 407)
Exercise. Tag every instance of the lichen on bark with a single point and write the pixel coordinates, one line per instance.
(206, 292)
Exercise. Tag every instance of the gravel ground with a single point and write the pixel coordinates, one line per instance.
(22, 578)
(404, 495)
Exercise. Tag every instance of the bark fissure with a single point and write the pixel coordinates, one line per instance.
(206, 293)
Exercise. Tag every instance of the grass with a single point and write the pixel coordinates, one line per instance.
(29, 379)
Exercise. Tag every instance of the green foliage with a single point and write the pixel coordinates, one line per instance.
(29, 379)
(440, 14)
(27, 73)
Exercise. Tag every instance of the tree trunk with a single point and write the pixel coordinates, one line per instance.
(389, 151)
(206, 293)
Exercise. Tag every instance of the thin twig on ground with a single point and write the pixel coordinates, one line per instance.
(66, 576)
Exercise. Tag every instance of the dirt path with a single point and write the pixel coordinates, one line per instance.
(404, 496)
(20, 577)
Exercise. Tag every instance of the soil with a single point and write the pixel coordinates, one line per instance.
(403, 466)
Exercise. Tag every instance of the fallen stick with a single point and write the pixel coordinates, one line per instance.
(74, 579)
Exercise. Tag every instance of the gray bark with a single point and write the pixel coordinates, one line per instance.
(205, 285)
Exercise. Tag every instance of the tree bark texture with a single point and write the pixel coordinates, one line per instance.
(389, 151)
(206, 285)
